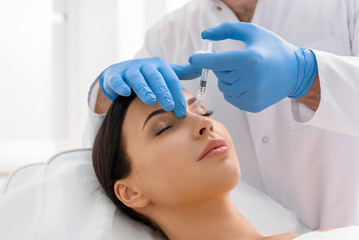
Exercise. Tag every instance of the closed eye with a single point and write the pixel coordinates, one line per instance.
(162, 130)
(208, 113)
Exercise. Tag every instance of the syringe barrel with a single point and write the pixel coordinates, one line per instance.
(203, 82)
(209, 46)
(204, 76)
(200, 96)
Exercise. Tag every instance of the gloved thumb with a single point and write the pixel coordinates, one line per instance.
(229, 30)
(186, 72)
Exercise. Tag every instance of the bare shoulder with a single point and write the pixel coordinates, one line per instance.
(284, 236)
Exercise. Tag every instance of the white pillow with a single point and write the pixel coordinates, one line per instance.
(62, 199)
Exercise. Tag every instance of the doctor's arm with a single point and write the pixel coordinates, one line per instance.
(312, 98)
(152, 79)
(339, 84)
(146, 76)
(266, 71)
(102, 104)
(339, 93)
(270, 69)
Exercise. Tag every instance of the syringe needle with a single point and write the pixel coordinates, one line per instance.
(200, 98)
(199, 103)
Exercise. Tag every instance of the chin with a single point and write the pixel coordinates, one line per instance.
(231, 172)
(226, 178)
(231, 179)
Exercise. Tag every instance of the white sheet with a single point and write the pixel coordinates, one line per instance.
(348, 233)
(62, 199)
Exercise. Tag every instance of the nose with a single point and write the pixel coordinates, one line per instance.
(203, 126)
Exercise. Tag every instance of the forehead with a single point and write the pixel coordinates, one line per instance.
(139, 108)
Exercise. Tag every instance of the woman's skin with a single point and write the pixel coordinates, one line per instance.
(186, 198)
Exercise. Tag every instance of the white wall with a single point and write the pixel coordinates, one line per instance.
(92, 46)
(27, 117)
(51, 51)
(135, 17)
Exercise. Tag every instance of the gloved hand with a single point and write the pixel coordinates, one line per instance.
(266, 71)
(151, 79)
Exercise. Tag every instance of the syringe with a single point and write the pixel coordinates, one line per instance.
(203, 82)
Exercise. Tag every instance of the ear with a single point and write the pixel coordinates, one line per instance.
(128, 195)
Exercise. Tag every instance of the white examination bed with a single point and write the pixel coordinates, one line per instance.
(61, 199)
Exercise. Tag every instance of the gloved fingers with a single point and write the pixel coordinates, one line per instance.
(229, 77)
(105, 88)
(174, 85)
(230, 30)
(117, 86)
(158, 85)
(219, 61)
(234, 90)
(245, 103)
(136, 81)
(241, 103)
(186, 72)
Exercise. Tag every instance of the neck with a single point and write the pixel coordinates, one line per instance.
(243, 9)
(214, 219)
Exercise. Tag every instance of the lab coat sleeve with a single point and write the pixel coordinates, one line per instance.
(93, 123)
(339, 85)
(93, 120)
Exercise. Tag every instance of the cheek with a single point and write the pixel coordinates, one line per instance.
(172, 151)
(163, 164)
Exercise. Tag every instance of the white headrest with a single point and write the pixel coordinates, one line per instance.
(62, 199)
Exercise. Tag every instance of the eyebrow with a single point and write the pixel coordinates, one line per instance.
(160, 111)
(152, 114)
(191, 100)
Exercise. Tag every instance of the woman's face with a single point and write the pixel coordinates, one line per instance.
(165, 154)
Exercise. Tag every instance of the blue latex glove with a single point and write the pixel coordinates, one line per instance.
(266, 71)
(151, 79)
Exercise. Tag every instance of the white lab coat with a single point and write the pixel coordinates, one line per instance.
(284, 150)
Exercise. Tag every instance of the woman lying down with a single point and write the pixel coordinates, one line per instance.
(174, 175)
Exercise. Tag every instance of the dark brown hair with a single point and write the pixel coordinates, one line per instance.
(110, 159)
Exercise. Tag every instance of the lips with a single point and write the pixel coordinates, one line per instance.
(214, 147)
